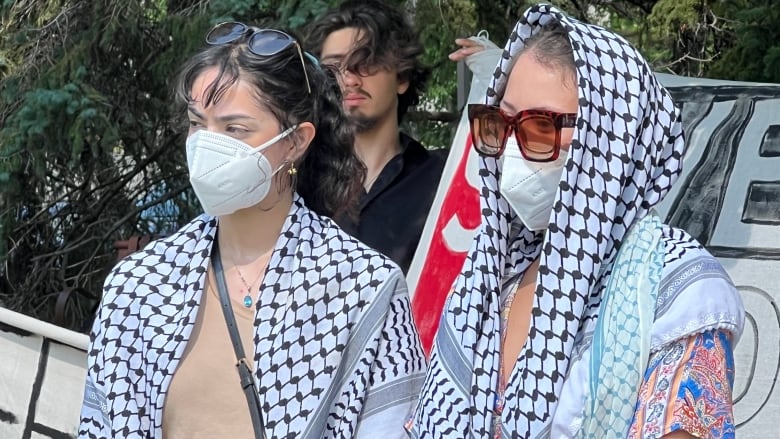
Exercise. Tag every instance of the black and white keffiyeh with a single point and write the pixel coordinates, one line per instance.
(625, 154)
(336, 351)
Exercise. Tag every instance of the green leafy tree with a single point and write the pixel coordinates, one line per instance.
(89, 146)
(752, 50)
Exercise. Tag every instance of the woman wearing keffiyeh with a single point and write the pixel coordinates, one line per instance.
(330, 347)
(578, 313)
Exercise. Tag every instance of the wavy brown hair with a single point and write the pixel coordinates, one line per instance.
(387, 41)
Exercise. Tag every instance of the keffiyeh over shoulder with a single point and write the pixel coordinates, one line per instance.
(625, 154)
(336, 352)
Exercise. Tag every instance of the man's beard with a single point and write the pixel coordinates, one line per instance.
(361, 122)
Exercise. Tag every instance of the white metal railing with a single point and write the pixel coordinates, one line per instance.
(44, 329)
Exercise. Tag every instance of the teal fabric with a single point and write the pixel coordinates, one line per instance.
(621, 341)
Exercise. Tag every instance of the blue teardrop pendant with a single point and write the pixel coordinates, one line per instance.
(247, 301)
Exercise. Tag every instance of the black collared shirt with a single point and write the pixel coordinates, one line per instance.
(391, 216)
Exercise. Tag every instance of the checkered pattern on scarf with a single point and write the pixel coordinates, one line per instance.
(621, 339)
(625, 155)
(334, 339)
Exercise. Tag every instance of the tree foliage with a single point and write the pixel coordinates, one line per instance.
(91, 147)
(752, 51)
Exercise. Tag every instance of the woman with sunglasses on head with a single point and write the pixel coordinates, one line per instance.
(578, 313)
(317, 325)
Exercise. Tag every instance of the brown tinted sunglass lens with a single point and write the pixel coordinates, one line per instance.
(537, 134)
(490, 128)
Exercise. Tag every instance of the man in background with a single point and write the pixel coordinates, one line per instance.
(375, 51)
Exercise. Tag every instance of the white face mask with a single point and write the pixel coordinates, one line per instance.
(227, 174)
(530, 187)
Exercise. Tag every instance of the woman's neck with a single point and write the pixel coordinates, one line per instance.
(250, 233)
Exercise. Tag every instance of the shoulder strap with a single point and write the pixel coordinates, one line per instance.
(244, 373)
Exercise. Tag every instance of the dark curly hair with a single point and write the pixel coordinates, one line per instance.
(330, 174)
(388, 40)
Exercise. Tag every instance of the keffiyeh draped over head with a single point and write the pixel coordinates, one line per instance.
(625, 155)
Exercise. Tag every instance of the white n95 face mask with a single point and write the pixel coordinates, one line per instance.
(227, 174)
(530, 187)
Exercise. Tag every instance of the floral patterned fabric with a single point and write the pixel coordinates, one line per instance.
(688, 387)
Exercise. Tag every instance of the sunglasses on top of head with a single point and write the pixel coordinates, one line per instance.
(538, 132)
(261, 42)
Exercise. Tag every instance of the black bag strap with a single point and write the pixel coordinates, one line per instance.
(244, 372)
